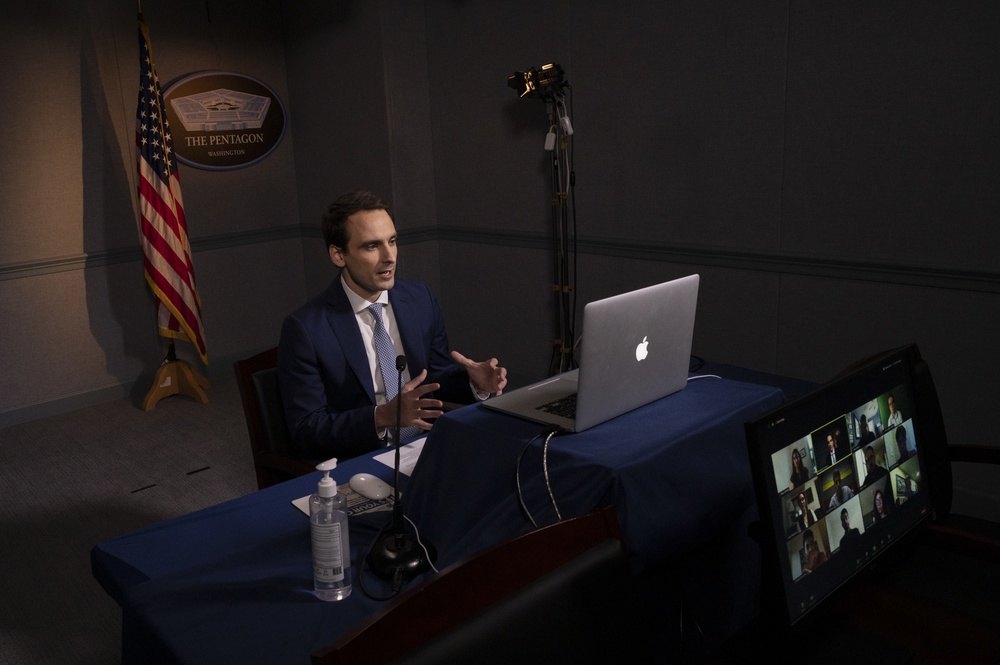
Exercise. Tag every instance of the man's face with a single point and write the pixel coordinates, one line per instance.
(870, 458)
(892, 405)
(368, 263)
(836, 481)
(830, 443)
(845, 521)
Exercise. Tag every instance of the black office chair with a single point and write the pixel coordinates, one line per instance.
(270, 444)
(563, 593)
(966, 534)
(955, 532)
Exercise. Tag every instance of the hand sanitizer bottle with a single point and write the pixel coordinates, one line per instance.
(331, 551)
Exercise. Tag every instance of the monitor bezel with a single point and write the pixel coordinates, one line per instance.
(781, 595)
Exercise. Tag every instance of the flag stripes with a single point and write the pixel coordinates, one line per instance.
(163, 227)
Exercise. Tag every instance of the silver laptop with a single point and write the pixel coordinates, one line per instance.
(636, 348)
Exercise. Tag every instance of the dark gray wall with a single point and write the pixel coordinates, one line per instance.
(829, 168)
(78, 323)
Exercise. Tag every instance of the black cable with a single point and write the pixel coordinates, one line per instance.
(576, 254)
(361, 568)
(696, 363)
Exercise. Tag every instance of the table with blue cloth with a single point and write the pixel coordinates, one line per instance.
(676, 471)
(234, 582)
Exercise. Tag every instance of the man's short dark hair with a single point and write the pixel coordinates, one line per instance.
(335, 217)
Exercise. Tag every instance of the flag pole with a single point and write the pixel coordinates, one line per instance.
(177, 297)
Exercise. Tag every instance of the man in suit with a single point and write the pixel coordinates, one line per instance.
(330, 376)
(832, 454)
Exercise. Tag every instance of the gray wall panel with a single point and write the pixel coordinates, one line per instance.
(892, 132)
(822, 166)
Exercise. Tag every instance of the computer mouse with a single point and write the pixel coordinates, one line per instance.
(369, 486)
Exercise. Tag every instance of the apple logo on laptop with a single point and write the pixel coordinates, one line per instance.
(642, 350)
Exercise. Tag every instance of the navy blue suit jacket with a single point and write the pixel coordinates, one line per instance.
(324, 376)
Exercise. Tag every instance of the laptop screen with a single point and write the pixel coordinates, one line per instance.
(840, 476)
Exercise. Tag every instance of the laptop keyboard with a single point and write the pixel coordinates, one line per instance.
(564, 407)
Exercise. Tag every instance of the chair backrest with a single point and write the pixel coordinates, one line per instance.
(563, 592)
(270, 444)
(966, 534)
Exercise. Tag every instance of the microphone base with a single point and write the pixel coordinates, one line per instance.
(397, 559)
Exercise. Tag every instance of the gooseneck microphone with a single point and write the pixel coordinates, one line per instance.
(397, 557)
(397, 507)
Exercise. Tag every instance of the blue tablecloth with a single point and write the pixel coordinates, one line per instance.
(233, 582)
(676, 470)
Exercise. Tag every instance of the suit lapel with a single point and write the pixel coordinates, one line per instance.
(408, 323)
(344, 326)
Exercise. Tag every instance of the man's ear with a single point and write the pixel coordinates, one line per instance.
(336, 256)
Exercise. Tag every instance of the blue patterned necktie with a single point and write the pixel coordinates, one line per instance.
(387, 365)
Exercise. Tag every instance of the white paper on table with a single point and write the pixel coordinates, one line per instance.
(357, 504)
(302, 503)
(408, 456)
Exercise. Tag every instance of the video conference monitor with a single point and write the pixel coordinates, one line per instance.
(842, 475)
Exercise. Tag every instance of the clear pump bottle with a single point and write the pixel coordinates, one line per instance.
(331, 551)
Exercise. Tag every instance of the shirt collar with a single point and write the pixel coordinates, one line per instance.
(359, 304)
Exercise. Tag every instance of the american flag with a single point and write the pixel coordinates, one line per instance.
(163, 229)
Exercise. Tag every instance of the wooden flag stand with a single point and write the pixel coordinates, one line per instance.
(176, 377)
(163, 235)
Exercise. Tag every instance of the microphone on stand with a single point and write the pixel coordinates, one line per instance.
(397, 557)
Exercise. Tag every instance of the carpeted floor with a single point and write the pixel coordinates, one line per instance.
(77, 479)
